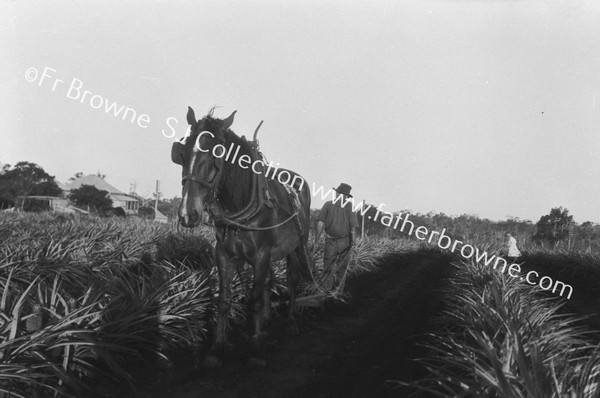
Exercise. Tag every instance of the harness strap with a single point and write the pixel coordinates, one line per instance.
(249, 228)
(294, 201)
(336, 237)
(198, 180)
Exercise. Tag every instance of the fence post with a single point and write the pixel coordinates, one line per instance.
(362, 230)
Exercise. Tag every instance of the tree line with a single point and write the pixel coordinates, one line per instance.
(557, 228)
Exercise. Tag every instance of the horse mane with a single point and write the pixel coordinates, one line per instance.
(237, 182)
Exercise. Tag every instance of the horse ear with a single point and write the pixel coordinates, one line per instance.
(191, 117)
(229, 121)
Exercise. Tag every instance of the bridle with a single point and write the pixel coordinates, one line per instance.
(212, 185)
(193, 178)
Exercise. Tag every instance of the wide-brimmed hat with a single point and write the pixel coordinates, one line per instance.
(343, 189)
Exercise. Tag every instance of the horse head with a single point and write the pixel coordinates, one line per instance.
(201, 169)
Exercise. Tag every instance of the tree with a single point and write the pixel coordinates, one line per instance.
(89, 195)
(373, 226)
(120, 212)
(146, 212)
(588, 232)
(25, 178)
(554, 227)
(76, 176)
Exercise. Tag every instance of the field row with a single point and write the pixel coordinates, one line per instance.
(85, 299)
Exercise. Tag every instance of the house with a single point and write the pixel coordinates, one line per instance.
(46, 203)
(127, 202)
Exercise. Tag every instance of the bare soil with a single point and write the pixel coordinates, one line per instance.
(343, 350)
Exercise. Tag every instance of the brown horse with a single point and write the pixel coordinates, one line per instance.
(257, 219)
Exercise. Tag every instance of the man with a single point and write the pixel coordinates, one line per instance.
(513, 251)
(339, 222)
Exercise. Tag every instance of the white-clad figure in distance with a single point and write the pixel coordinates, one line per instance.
(513, 251)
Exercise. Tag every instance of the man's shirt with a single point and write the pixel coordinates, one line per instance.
(338, 220)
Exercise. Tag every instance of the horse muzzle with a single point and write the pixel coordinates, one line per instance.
(193, 219)
(189, 220)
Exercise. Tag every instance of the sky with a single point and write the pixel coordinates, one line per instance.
(489, 108)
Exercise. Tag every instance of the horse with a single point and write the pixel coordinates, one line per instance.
(257, 219)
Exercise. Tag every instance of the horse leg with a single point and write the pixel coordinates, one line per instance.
(226, 271)
(292, 280)
(257, 303)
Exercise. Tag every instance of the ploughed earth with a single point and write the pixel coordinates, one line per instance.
(342, 350)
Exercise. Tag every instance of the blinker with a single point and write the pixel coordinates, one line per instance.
(177, 153)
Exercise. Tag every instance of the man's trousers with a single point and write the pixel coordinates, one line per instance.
(336, 256)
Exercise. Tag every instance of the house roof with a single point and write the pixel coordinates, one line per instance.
(159, 215)
(92, 179)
